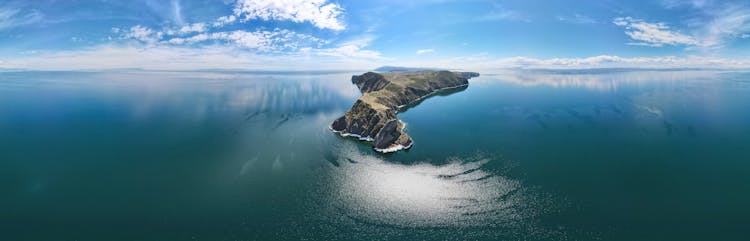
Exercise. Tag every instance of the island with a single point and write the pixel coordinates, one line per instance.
(372, 118)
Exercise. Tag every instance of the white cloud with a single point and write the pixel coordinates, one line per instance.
(144, 34)
(320, 13)
(193, 28)
(224, 20)
(653, 34)
(260, 40)
(425, 51)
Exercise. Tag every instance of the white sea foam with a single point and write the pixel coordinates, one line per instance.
(346, 134)
(393, 148)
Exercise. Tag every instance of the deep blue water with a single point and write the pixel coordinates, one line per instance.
(518, 155)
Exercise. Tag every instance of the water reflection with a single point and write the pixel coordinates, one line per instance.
(198, 95)
(598, 79)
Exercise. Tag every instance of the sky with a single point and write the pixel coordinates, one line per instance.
(356, 35)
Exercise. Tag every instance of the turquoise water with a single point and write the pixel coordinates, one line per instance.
(518, 155)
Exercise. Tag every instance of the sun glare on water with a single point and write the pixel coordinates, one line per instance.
(459, 193)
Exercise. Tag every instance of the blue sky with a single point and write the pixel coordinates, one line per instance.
(325, 34)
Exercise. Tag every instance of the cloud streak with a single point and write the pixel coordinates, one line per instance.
(715, 25)
(13, 18)
(577, 19)
(500, 13)
(725, 24)
(653, 34)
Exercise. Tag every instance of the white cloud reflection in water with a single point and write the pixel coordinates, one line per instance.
(599, 80)
(461, 193)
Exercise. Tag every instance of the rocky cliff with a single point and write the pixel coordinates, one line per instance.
(373, 116)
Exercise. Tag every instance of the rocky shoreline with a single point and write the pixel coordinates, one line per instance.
(372, 118)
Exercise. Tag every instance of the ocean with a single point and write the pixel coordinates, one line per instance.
(612, 154)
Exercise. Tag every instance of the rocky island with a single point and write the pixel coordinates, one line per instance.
(373, 116)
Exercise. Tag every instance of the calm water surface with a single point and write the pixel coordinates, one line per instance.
(518, 155)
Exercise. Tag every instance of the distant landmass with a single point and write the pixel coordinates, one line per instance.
(386, 69)
(373, 116)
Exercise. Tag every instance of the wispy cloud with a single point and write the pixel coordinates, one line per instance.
(12, 18)
(690, 3)
(177, 12)
(576, 19)
(425, 51)
(320, 13)
(725, 23)
(653, 34)
(500, 13)
(354, 48)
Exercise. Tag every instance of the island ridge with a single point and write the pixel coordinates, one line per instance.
(373, 116)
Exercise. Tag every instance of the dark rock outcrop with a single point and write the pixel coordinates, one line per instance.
(373, 116)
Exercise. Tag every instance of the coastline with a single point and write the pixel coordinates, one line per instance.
(392, 148)
(430, 95)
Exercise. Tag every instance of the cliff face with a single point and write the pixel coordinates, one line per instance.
(373, 116)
